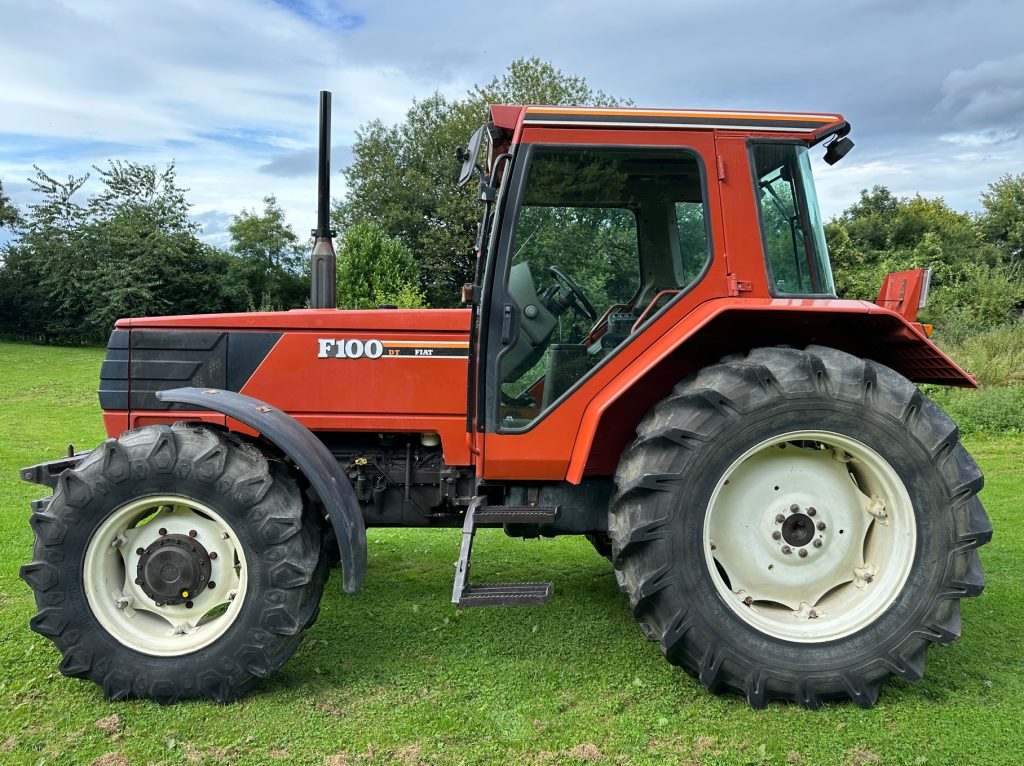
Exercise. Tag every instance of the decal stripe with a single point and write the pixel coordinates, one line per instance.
(800, 123)
(428, 344)
(421, 351)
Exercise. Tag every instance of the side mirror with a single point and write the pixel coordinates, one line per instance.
(468, 156)
(837, 149)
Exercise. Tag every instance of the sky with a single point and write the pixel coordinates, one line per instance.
(228, 89)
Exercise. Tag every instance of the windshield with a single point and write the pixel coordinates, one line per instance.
(794, 239)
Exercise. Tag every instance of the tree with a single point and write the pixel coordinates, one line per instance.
(46, 260)
(9, 217)
(403, 177)
(375, 269)
(270, 260)
(972, 290)
(130, 250)
(1002, 222)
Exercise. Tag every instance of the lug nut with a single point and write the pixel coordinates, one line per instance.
(821, 526)
(748, 600)
(776, 535)
(803, 553)
(140, 551)
(786, 549)
(192, 533)
(817, 543)
(812, 511)
(138, 581)
(162, 531)
(779, 518)
(189, 604)
(794, 508)
(211, 585)
(213, 554)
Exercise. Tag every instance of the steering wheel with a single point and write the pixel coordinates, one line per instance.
(574, 295)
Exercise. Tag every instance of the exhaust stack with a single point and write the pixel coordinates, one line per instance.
(322, 266)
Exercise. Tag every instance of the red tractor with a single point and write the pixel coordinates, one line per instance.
(653, 356)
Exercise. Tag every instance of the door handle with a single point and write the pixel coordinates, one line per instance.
(506, 325)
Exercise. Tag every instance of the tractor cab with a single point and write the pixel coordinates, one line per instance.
(599, 222)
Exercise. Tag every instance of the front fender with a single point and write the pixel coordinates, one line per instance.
(310, 456)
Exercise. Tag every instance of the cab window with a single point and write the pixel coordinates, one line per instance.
(793, 235)
(604, 238)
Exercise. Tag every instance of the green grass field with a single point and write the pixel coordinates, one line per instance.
(395, 675)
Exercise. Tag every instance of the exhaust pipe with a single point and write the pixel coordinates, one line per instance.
(322, 294)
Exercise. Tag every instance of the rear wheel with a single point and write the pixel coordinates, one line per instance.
(798, 525)
(175, 562)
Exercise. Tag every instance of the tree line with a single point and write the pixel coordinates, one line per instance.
(79, 261)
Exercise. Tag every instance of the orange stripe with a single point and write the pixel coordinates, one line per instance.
(683, 113)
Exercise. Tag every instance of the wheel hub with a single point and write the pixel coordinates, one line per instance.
(798, 530)
(809, 535)
(174, 569)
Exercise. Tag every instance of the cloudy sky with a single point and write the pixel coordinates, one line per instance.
(228, 89)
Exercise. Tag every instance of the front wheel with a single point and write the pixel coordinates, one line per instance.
(798, 525)
(173, 563)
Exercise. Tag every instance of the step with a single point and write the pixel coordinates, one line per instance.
(515, 514)
(508, 594)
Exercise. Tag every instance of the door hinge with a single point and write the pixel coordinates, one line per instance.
(737, 286)
(720, 162)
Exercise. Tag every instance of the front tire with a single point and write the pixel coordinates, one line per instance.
(175, 562)
(798, 525)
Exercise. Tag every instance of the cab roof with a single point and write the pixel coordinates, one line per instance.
(512, 117)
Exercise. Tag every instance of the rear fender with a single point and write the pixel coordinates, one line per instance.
(718, 328)
(905, 292)
(310, 456)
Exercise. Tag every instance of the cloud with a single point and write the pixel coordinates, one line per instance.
(214, 227)
(229, 89)
(980, 138)
(990, 93)
(303, 163)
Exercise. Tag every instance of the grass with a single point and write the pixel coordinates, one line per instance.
(395, 675)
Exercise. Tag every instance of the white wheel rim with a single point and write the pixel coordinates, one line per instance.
(815, 534)
(123, 607)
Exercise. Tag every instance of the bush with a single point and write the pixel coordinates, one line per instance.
(995, 357)
(983, 410)
(375, 269)
(980, 299)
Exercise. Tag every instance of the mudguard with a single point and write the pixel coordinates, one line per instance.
(310, 456)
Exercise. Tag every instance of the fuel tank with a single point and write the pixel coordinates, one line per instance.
(380, 370)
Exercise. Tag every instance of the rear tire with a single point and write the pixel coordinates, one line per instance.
(200, 506)
(827, 604)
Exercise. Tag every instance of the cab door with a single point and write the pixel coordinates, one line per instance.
(607, 237)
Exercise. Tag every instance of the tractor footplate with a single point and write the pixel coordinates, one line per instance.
(510, 594)
(514, 514)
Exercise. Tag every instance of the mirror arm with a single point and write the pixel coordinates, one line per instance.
(487, 192)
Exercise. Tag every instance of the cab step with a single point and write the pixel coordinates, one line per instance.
(506, 594)
(510, 594)
(514, 514)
